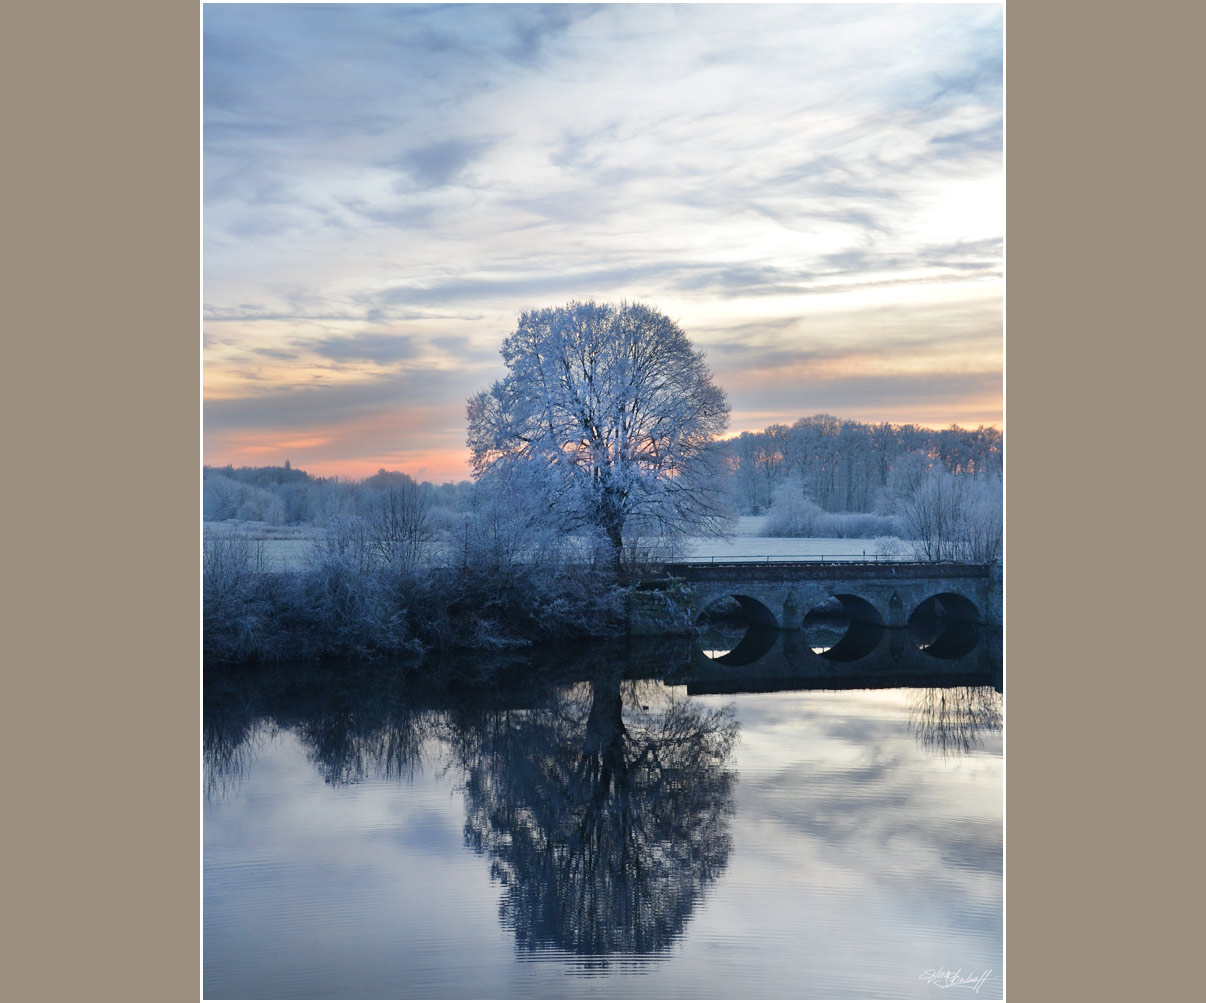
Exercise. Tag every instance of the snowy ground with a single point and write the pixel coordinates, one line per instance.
(287, 547)
(747, 545)
(284, 548)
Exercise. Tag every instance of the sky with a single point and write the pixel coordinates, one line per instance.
(815, 193)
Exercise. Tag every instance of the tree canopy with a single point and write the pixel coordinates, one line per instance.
(610, 418)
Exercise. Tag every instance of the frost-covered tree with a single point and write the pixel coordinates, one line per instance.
(854, 467)
(400, 517)
(906, 478)
(614, 412)
(955, 518)
(497, 535)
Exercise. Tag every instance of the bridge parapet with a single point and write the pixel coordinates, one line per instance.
(699, 571)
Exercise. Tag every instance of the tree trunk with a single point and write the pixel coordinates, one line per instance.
(605, 733)
(616, 537)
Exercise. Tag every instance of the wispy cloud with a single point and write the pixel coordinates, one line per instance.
(381, 177)
(383, 349)
(438, 164)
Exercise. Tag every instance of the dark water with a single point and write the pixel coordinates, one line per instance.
(567, 832)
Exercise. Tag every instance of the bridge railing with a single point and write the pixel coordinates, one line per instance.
(794, 559)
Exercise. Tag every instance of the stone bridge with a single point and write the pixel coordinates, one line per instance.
(780, 594)
(875, 597)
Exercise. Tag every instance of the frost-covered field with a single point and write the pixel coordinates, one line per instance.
(286, 548)
(746, 544)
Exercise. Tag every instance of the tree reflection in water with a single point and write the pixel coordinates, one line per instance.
(346, 750)
(352, 726)
(605, 812)
(228, 747)
(950, 720)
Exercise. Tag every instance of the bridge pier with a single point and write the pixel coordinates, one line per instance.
(793, 616)
(897, 615)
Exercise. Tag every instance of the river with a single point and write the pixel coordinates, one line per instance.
(600, 824)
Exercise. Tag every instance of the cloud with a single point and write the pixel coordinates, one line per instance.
(984, 139)
(439, 163)
(954, 263)
(404, 217)
(979, 255)
(933, 399)
(371, 165)
(251, 312)
(383, 349)
(307, 406)
(580, 284)
(281, 354)
(537, 29)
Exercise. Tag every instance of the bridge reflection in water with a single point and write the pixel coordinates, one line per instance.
(865, 657)
(953, 701)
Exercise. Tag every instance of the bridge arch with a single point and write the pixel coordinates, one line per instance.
(946, 625)
(861, 624)
(760, 628)
(759, 609)
(758, 613)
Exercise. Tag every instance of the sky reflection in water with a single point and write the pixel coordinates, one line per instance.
(793, 844)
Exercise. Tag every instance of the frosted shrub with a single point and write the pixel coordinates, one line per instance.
(342, 611)
(399, 517)
(229, 564)
(983, 522)
(345, 538)
(220, 497)
(889, 546)
(258, 505)
(507, 526)
(236, 611)
(907, 476)
(648, 544)
(932, 517)
(955, 518)
(792, 513)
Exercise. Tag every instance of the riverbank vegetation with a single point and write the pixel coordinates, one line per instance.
(372, 587)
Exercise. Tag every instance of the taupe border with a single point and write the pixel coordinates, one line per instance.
(102, 702)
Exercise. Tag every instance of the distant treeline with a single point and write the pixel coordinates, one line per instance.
(851, 466)
(285, 496)
(837, 466)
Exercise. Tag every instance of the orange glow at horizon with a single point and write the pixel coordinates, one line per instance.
(435, 465)
(441, 465)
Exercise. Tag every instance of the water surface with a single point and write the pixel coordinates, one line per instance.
(580, 834)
